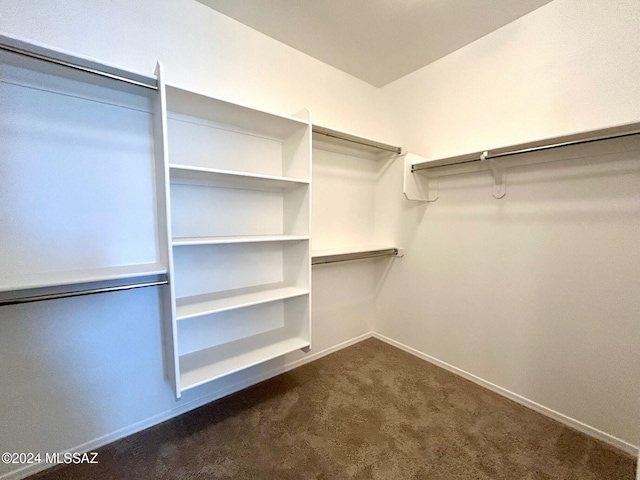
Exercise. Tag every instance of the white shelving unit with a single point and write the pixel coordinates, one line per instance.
(78, 176)
(238, 215)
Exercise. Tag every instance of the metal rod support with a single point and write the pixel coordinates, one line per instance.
(79, 293)
(345, 257)
(540, 145)
(354, 139)
(40, 53)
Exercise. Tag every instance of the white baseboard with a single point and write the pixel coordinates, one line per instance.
(571, 422)
(96, 443)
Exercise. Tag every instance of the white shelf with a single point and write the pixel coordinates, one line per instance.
(207, 365)
(352, 145)
(84, 70)
(189, 175)
(198, 305)
(529, 147)
(190, 241)
(199, 105)
(343, 254)
(343, 250)
(77, 277)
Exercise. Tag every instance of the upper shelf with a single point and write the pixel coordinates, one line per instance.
(347, 143)
(195, 104)
(424, 188)
(534, 146)
(363, 142)
(214, 177)
(60, 63)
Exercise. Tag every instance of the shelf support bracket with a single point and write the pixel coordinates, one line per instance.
(499, 175)
(418, 186)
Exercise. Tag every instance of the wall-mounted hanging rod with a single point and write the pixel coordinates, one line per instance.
(538, 145)
(80, 293)
(14, 45)
(355, 139)
(345, 257)
(425, 187)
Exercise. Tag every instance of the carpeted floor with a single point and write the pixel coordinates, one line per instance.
(370, 411)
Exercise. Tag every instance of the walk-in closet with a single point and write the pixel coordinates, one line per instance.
(284, 240)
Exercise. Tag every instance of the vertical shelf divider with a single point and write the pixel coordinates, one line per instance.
(163, 191)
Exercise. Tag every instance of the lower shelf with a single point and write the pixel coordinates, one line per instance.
(207, 365)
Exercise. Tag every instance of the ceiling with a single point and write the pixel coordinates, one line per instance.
(377, 41)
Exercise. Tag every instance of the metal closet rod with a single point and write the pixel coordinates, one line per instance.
(80, 293)
(40, 53)
(345, 257)
(354, 139)
(536, 146)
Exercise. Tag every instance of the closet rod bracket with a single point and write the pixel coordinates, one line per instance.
(499, 175)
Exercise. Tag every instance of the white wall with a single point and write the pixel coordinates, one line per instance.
(537, 292)
(80, 372)
(204, 50)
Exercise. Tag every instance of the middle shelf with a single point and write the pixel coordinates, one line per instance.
(192, 241)
(205, 304)
(215, 177)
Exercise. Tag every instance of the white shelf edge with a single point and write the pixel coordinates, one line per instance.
(274, 350)
(324, 252)
(236, 174)
(242, 298)
(330, 135)
(78, 277)
(192, 241)
(86, 67)
(343, 254)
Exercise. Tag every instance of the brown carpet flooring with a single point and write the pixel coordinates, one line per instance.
(369, 411)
